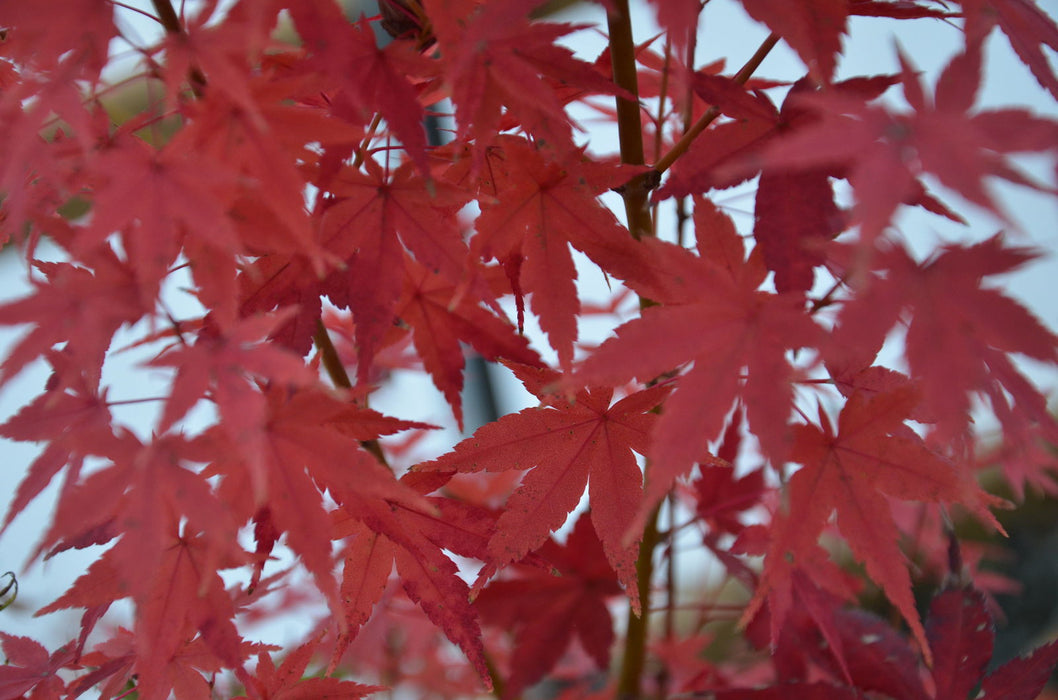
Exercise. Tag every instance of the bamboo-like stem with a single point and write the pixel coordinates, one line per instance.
(629, 125)
(712, 113)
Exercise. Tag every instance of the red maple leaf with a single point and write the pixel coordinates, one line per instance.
(370, 79)
(564, 445)
(960, 331)
(155, 199)
(851, 471)
(308, 445)
(540, 208)
(290, 681)
(82, 307)
(1027, 27)
(546, 608)
(878, 659)
(74, 419)
(183, 594)
(224, 366)
(29, 668)
(493, 57)
(940, 137)
(75, 33)
(375, 213)
(711, 314)
(441, 315)
(381, 536)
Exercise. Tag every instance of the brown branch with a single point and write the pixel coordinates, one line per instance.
(635, 651)
(340, 378)
(171, 21)
(712, 113)
(629, 125)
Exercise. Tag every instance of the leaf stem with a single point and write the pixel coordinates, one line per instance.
(712, 113)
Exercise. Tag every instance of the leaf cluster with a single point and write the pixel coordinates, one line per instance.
(278, 235)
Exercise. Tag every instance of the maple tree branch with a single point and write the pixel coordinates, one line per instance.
(340, 378)
(629, 124)
(171, 21)
(167, 16)
(636, 200)
(499, 686)
(633, 662)
(670, 592)
(329, 357)
(712, 113)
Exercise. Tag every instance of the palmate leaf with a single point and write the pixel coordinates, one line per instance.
(565, 445)
(940, 136)
(712, 315)
(536, 209)
(548, 608)
(852, 470)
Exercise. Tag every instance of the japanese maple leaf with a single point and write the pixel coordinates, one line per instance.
(812, 28)
(711, 315)
(155, 199)
(546, 608)
(371, 79)
(940, 137)
(54, 31)
(565, 445)
(961, 331)
(493, 57)
(959, 629)
(28, 667)
(377, 211)
(960, 632)
(75, 305)
(223, 365)
(1027, 27)
(380, 535)
(309, 444)
(542, 207)
(263, 145)
(851, 471)
(721, 498)
(796, 213)
(71, 417)
(180, 595)
(289, 681)
(283, 281)
(441, 315)
(190, 673)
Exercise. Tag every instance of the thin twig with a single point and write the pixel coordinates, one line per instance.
(340, 378)
(712, 113)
